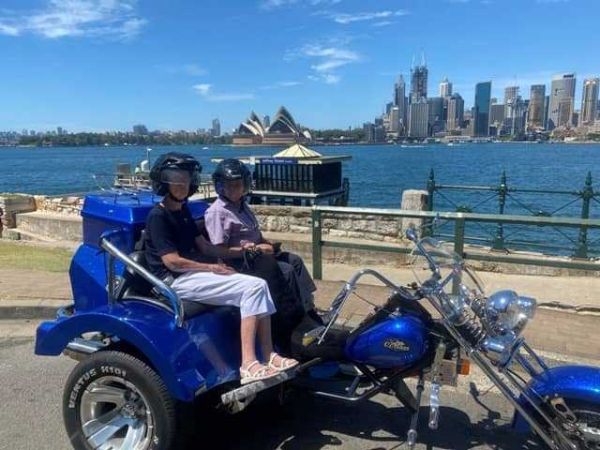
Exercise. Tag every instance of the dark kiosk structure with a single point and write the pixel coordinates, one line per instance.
(298, 176)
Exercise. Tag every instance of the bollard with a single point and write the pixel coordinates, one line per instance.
(317, 241)
(502, 190)
(427, 231)
(587, 194)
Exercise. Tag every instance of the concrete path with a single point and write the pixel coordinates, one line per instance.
(31, 418)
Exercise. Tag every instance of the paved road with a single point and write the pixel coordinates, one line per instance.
(30, 415)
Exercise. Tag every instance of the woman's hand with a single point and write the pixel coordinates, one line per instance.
(221, 269)
(266, 248)
(248, 245)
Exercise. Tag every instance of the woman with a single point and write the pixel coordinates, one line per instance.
(179, 255)
(231, 223)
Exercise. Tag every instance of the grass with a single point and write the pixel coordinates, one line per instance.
(19, 255)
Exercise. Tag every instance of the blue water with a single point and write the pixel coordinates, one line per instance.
(378, 174)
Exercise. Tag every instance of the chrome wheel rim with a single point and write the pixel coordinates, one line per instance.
(585, 432)
(588, 423)
(115, 416)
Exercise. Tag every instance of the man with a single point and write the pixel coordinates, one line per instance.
(179, 255)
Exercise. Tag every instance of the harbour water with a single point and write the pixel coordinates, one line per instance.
(378, 174)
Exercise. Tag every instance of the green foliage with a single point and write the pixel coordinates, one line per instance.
(118, 138)
(338, 135)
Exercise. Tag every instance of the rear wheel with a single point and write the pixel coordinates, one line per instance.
(113, 400)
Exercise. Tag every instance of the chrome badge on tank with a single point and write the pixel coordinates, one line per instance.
(396, 345)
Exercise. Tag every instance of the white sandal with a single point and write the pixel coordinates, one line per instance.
(284, 364)
(246, 376)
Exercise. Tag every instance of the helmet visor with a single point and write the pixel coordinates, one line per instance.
(178, 177)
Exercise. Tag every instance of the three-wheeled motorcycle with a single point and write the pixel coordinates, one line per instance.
(142, 350)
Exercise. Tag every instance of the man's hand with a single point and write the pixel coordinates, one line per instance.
(221, 269)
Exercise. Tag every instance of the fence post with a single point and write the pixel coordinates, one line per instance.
(427, 229)
(459, 246)
(587, 194)
(316, 245)
(502, 190)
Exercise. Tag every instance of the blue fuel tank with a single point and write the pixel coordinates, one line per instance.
(396, 342)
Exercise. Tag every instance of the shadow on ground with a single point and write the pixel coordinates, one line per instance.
(306, 422)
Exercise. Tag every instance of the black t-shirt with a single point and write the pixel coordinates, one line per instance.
(167, 232)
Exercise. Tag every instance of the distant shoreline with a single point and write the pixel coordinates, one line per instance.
(317, 144)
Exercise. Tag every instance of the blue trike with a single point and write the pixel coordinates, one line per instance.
(143, 351)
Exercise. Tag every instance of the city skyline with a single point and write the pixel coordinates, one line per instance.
(331, 62)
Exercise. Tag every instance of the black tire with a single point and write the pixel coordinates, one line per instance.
(148, 400)
(588, 412)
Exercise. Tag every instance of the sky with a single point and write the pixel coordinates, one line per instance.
(95, 65)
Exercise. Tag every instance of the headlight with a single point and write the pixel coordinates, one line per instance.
(506, 312)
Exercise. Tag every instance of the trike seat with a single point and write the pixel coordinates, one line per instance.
(134, 287)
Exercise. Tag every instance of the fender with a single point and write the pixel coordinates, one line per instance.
(170, 350)
(569, 382)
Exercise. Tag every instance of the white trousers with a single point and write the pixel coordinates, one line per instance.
(250, 294)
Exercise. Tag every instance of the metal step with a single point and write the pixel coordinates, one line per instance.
(238, 398)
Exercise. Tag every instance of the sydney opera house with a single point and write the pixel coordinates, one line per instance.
(282, 131)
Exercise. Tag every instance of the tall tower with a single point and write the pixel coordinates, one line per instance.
(537, 98)
(562, 100)
(589, 100)
(445, 88)
(481, 111)
(400, 100)
(418, 81)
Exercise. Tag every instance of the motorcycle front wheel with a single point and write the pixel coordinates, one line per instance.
(585, 431)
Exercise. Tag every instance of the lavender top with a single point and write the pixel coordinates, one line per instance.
(228, 225)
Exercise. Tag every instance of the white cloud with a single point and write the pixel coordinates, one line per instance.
(205, 90)
(328, 59)
(202, 89)
(281, 84)
(193, 70)
(330, 78)
(383, 23)
(274, 4)
(345, 18)
(116, 19)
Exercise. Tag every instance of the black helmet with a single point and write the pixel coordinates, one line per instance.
(229, 170)
(170, 163)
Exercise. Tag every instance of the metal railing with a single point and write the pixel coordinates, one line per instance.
(507, 198)
(459, 220)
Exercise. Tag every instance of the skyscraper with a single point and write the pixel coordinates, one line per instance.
(266, 121)
(511, 93)
(436, 114)
(481, 111)
(418, 82)
(497, 114)
(456, 112)
(216, 128)
(400, 99)
(562, 100)
(394, 120)
(537, 98)
(445, 88)
(418, 120)
(589, 101)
